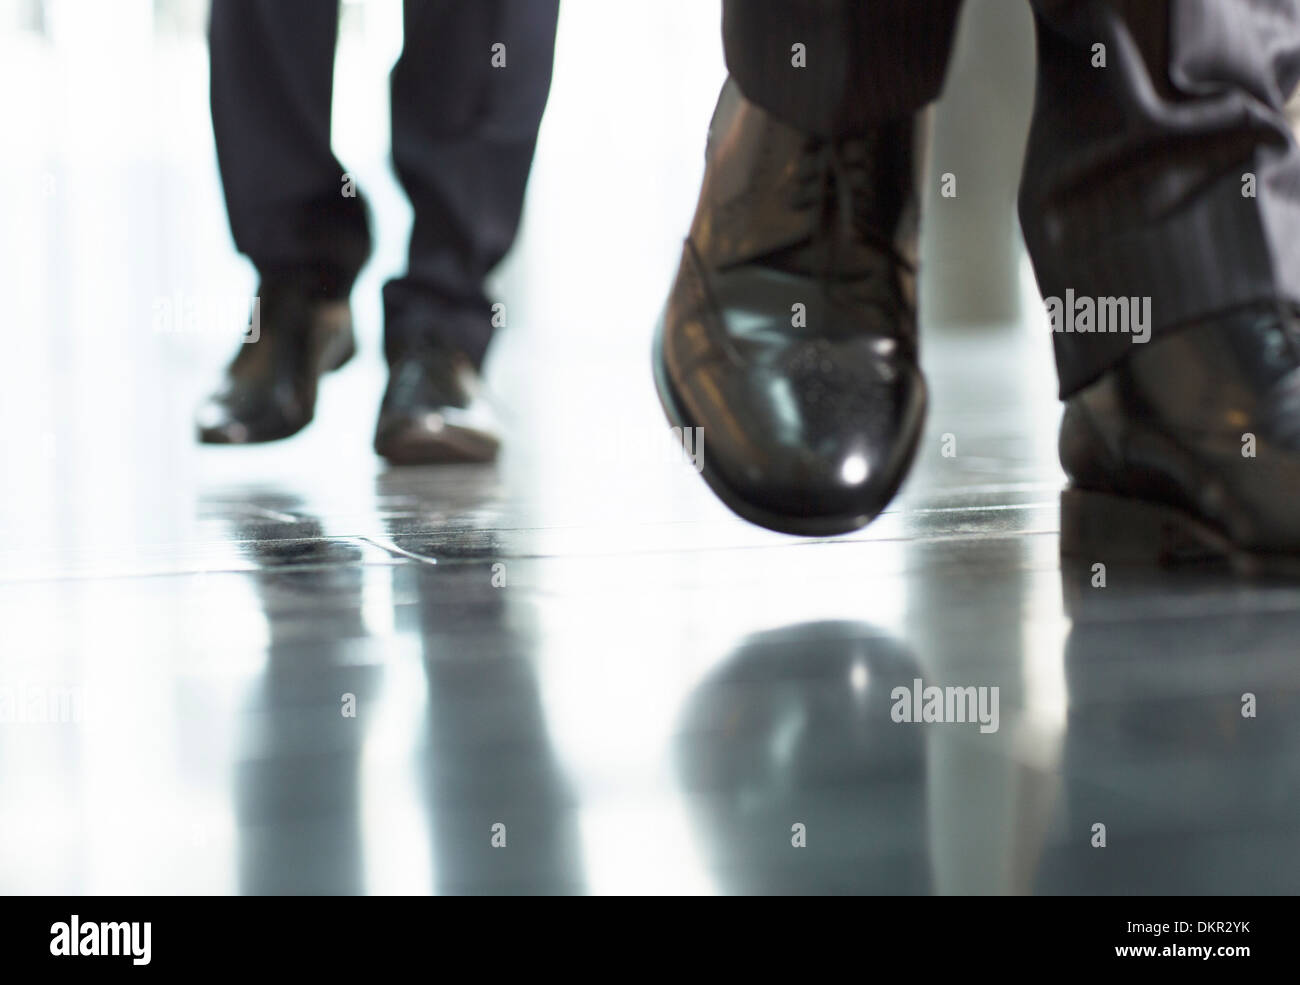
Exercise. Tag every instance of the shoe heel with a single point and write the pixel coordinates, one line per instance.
(344, 354)
(1102, 527)
(335, 322)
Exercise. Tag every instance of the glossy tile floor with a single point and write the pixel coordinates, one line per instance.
(578, 644)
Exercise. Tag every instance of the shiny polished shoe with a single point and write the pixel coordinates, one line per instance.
(270, 387)
(789, 336)
(1189, 450)
(434, 412)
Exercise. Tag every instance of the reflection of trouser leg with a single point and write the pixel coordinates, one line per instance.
(1139, 173)
(272, 80)
(503, 816)
(464, 130)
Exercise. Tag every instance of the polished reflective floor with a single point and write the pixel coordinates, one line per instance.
(290, 669)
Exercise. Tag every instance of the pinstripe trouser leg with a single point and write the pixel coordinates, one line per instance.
(1170, 171)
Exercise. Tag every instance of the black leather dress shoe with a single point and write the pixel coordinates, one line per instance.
(789, 337)
(1189, 450)
(270, 386)
(433, 411)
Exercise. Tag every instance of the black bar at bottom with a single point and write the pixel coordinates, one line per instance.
(214, 935)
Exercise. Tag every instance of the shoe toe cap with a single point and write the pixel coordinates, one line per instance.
(242, 416)
(835, 448)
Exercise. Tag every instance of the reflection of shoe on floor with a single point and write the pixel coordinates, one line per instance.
(789, 336)
(796, 725)
(1189, 449)
(433, 411)
(270, 387)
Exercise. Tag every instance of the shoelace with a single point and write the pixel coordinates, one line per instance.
(839, 172)
(840, 169)
(428, 366)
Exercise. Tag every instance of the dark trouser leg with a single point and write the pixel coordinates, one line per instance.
(1134, 174)
(867, 61)
(463, 139)
(272, 80)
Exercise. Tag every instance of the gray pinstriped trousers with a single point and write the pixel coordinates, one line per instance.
(1134, 176)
